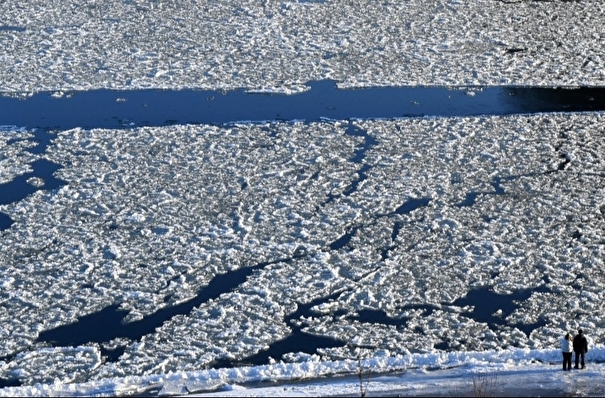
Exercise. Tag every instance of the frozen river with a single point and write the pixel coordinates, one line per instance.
(399, 226)
(202, 186)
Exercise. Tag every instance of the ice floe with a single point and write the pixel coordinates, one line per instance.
(277, 46)
(14, 158)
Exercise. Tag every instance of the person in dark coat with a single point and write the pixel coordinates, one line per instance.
(580, 347)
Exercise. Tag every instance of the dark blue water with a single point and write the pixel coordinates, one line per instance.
(124, 109)
(411, 205)
(486, 303)
(12, 28)
(19, 188)
(5, 222)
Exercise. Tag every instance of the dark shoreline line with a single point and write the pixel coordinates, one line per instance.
(123, 109)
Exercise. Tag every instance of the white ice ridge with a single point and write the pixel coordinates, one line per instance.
(281, 45)
(149, 216)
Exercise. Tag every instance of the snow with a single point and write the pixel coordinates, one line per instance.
(504, 372)
(280, 45)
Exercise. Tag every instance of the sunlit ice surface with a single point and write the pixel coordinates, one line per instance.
(280, 45)
(197, 246)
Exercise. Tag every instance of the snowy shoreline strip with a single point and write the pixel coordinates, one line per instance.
(212, 379)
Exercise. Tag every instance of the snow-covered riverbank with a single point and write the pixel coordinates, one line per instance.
(501, 373)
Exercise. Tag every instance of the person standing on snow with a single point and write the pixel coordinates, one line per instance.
(567, 349)
(580, 346)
